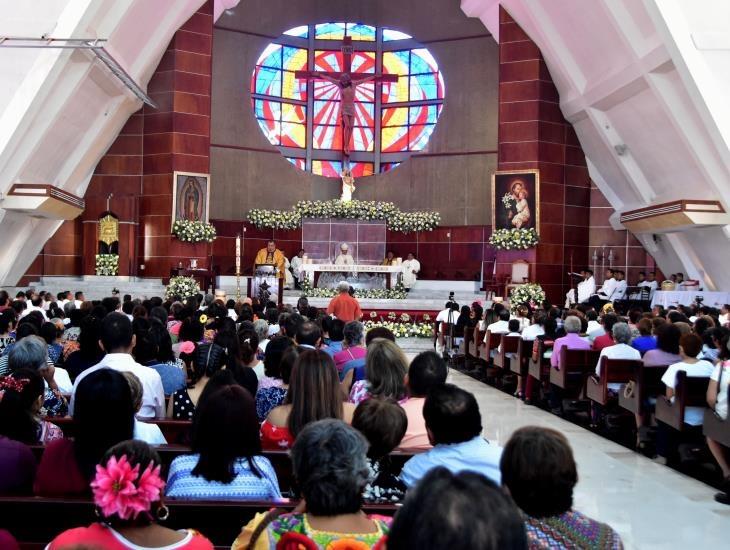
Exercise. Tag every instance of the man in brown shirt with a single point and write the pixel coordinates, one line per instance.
(343, 306)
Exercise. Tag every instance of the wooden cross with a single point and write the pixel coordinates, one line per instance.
(347, 96)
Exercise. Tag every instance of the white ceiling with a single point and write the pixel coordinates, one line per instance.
(651, 75)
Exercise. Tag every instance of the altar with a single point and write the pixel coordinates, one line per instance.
(667, 298)
(360, 276)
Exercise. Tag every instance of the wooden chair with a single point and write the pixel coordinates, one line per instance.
(575, 366)
(520, 275)
(175, 431)
(689, 391)
(508, 345)
(468, 341)
(646, 383)
(611, 371)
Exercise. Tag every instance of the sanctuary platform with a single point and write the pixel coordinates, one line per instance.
(427, 296)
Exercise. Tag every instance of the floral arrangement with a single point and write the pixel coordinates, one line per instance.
(107, 264)
(514, 239)
(120, 490)
(530, 293)
(193, 231)
(403, 330)
(184, 287)
(397, 293)
(396, 220)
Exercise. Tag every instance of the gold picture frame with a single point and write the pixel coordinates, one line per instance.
(505, 183)
(190, 196)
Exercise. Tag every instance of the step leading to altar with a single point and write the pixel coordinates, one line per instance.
(96, 288)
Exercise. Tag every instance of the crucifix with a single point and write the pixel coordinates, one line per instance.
(347, 82)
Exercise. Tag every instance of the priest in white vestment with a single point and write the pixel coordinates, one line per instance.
(411, 267)
(584, 290)
(344, 257)
(288, 278)
(296, 267)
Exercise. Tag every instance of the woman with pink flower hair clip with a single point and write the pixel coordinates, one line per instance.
(128, 493)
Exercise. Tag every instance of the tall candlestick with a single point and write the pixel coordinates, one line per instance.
(238, 267)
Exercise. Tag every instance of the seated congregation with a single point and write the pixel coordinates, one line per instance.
(657, 380)
(188, 424)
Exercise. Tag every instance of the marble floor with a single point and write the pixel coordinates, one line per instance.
(651, 506)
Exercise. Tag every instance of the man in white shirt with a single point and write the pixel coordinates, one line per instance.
(605, 293)
(583, 290)
(118, 340)
(499, 327)
(594, 327)
(36, 304)
(690, 345)
(296, 267)
(619, 292)
(79, 299)
(620, 350)
(537, 328)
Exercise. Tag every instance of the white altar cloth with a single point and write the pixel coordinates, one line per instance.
(666, 298)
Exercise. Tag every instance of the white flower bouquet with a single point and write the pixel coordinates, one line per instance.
(107, 265)
(514, 239)
(405, 222)
(403, 330)
(531, 294)
(193, 231)
(184, 287)
(397, 293)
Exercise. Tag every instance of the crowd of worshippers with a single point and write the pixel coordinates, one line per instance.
(694, 339)
(254, 378)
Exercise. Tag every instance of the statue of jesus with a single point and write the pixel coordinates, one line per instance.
(348, 185)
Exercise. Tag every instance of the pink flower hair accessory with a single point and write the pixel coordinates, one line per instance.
(119, 489)
(187, 347)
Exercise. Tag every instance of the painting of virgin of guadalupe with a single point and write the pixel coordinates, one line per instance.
(191, 194)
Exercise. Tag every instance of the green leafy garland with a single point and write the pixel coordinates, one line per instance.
(514, 239)
(396, 220)
(397, 293)
(193, 231)
(107, 264)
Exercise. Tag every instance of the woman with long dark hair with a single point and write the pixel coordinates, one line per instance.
(103, 416)
(314, 393)
(226, 462)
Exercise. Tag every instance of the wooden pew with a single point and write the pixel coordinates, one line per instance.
(36, 520)
(576, 366)
(540, 369)
(689, 391)
(716, 428)
(647, 383)
(492, 343)
(279, 460)
(509, 345)
(611, 371)
(175, 431)
(479, 343)
(521, 360)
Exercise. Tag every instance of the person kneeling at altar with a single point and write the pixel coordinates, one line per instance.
(411, 267)
(583, 291)
(389, 258)
(272, 256)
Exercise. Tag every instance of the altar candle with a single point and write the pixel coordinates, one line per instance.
(238, 251)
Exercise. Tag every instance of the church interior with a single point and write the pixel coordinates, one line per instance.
(528, 193)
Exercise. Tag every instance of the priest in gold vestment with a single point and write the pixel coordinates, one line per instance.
(271, 255)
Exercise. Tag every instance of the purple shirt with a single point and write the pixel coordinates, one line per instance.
(570, 341)
(659, 357)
